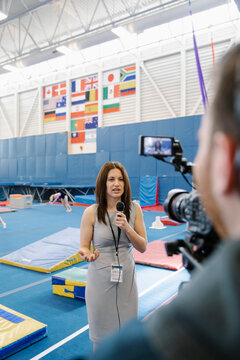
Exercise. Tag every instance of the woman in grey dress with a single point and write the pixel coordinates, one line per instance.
(111, 290)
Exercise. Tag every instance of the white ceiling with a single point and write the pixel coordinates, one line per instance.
(34, 28)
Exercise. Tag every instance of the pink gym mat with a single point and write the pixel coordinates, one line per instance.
(156, 255)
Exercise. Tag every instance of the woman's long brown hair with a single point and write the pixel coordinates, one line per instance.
(100, 190)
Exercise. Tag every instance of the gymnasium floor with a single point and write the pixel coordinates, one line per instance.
(30, 292)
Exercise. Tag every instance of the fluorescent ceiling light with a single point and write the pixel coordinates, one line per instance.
(2, 16)
(64, 50)
(10, 68)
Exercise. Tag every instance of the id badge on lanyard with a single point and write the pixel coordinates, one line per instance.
(116, 273)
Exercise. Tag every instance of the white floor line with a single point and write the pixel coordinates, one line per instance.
(60, 343)
(85, 328)
(24, 287)
(160, 282)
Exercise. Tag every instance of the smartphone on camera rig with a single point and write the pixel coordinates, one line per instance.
(182, 206)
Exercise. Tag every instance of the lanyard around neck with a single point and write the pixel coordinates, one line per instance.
(116, 242)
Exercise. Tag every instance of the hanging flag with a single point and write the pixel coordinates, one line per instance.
(78, 125)
(91, 122)
(111, 77)
(76, 86)
(78, 98)
(90, 136)
(128, 88)
(91, 109)
(49, 104)
(89, 83)
(128, 73)
(111, 92)
(77, 111)
(111, 105)
(93, 95)
(59, 89)
(47, 92)
(77, 137)
(49, 116)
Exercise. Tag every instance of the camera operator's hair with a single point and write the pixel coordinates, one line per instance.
(100, 191)
(224, 110)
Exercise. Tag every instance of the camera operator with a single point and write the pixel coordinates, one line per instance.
(203, 322)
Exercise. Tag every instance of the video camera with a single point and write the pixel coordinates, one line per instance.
(183, 206)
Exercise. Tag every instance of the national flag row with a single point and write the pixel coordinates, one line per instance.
(88, 136)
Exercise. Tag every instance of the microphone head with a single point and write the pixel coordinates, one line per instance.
(120, 206)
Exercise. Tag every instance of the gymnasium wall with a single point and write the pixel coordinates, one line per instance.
(44, 159)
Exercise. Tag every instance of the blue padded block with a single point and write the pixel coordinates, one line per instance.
(166, 183)
(21, 146)
(30, 145)
(132, 132)
(12, 163)
(12, 147)
(117, 137)
(31, 167)
(101, 158)
(61, 143)
(118, 156)
(61, 167)
(40, 167)
(89, 166)
(135, 185)
(148, 166)
(166, 127)
(50, 167)
(132, 163)
(4, 149)
(40, 145)
(103, 139)
(51, 144)
(22, 168)
(75, 166)
(4, 166)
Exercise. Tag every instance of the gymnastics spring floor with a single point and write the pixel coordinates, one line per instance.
(30, 292)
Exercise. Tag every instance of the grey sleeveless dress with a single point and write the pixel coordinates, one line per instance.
(105, 299)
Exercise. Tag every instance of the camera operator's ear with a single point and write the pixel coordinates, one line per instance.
(223, 170)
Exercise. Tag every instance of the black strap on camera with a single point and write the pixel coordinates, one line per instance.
(116, 242)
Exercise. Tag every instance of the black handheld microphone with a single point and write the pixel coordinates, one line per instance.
(120, 207)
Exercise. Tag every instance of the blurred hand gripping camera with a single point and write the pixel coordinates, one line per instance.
(183, 206)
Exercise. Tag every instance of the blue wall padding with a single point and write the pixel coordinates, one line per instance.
(85, 199)
(50, 167)
(51, 148)
(31, 168)
(12, 147)
(12, 165)
(118, 156)
(44, 158)
(75, 168)
(4, 149)
(22, 167)
(61, 143)
(101, 158)
(40, 145)
(21, 146)
(148, 190)
(61, 167)
(30, 145)
(103, 139)
(117, 138)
